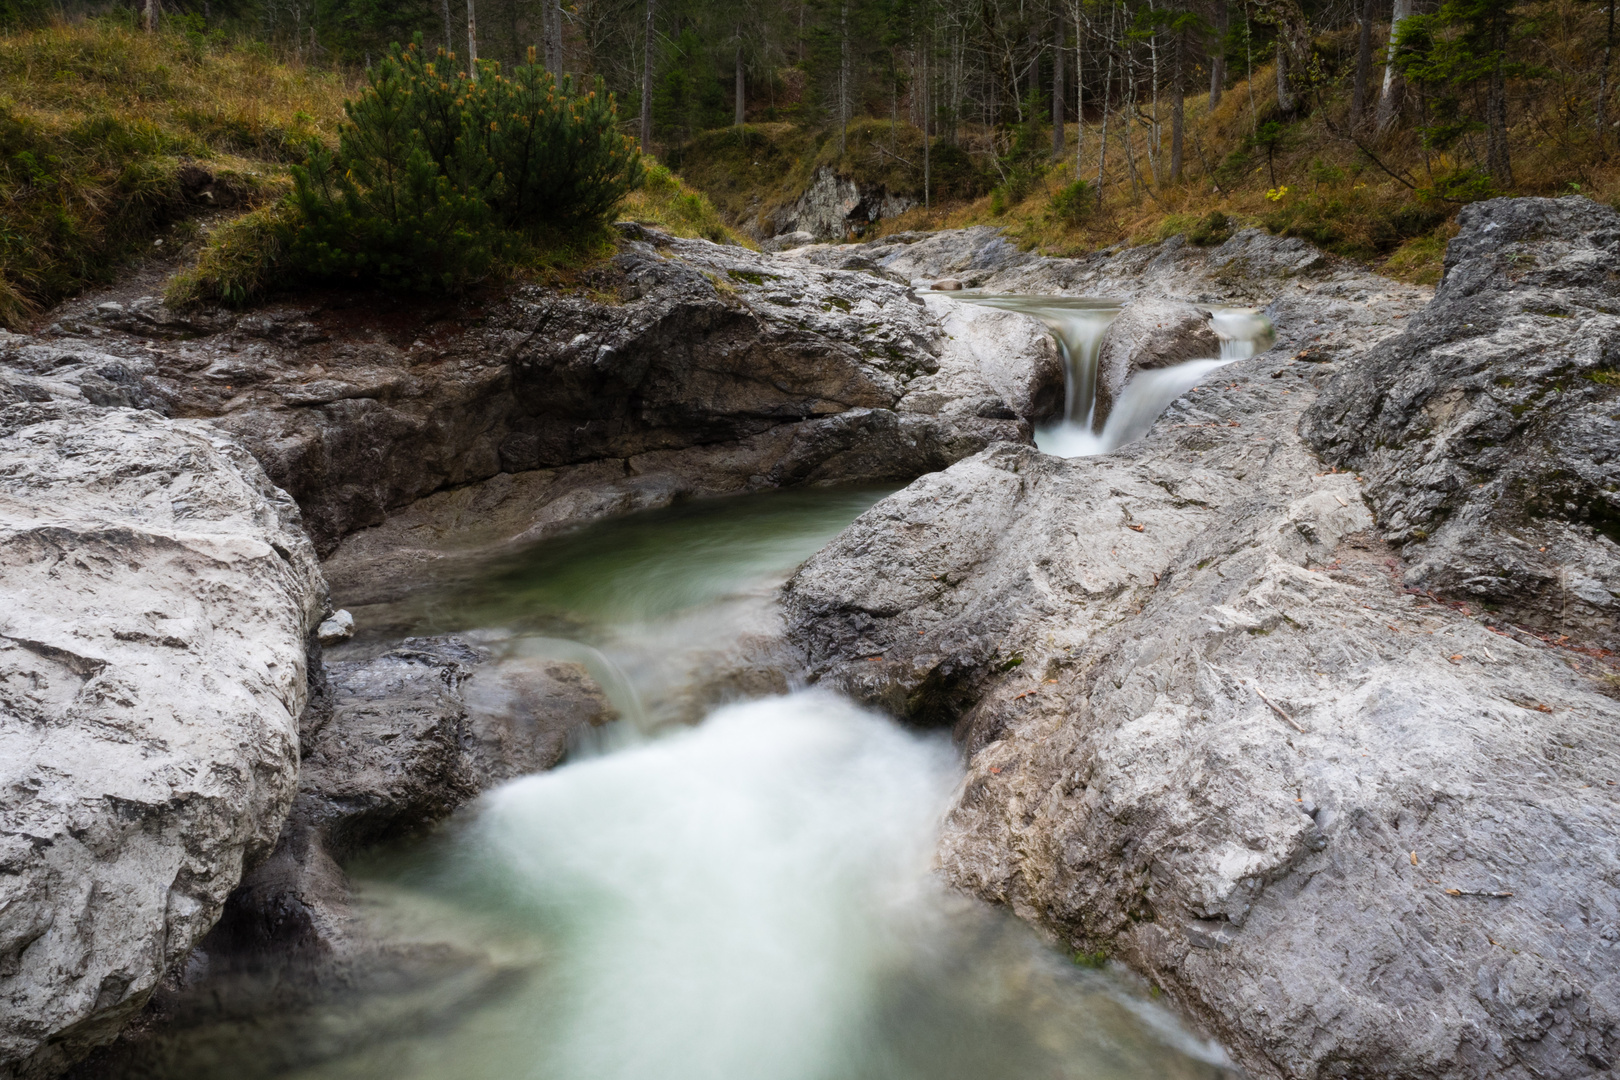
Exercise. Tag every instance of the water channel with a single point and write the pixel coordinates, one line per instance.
(1078, 324)
(733, 881)
(747, 898)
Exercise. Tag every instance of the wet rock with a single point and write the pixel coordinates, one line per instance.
(1150, 333)
(159, 594)
(392, 745)
(1488, 430)
(1158, 659)
(991, 359)
(360, 406)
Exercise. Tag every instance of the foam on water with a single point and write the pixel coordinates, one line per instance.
(753, 899)
(1078, 325)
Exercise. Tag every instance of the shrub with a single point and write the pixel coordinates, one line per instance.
(436, 175)
(1214, 228)
(1073, 203)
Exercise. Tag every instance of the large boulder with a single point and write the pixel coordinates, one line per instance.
(1489, 430)
(1351, 829)
(392, 744)
(159, 595)
(835, 207)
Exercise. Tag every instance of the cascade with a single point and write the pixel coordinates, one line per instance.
(1078, 325)
(750, 897)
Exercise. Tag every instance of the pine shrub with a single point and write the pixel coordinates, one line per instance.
(438, 175)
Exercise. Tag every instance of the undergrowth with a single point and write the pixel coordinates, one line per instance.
(108, 136)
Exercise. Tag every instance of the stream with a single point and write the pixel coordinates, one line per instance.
(747, 898)
(1078, 325)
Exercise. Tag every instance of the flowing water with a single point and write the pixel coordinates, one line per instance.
(747, 898)
(1078, 325)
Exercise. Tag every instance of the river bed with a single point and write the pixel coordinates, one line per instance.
(751, 897)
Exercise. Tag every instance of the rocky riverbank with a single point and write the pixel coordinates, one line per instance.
(1227, 721)
(1329, 755)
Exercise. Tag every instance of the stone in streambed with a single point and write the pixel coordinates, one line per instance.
(1150, 333)
(393, 744)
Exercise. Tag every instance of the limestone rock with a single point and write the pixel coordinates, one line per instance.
(1248, 268)
(1150, 333)
(359, 406)
(338, 628)
(1489, 430)
(159, 594)
(834, 207)
(1348, 828)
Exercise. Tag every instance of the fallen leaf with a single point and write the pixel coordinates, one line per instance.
(1414, 858)
(1341, 501)
(1136, 528)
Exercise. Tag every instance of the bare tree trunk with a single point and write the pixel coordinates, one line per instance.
(449, 29)
(1603, 89)
(472, 42)
(1217, 57)
(1358, 96)
(1389, 100)
(928, 171)
(1155, 129)
(1079, 87)
(1102, 147)
(1496, 126)
(1285, 93)
(1248, 59)
(738, 93)
(843, 78)
(149, 16)
(646, 84)
(554, 36)
(1177, 108)
(1057, 92)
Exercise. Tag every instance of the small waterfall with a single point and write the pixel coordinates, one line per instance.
(1078, 325)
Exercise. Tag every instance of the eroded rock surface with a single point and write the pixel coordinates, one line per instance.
(1489, 431)
(679, 360)
(1250, 267)
(159, 595)
(835, 207)
(1351, 828)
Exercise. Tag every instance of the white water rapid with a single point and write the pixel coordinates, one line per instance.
(750, 898)
(1078, 325)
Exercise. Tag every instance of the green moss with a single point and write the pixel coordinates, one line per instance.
(1096, 959)
(1604, 377)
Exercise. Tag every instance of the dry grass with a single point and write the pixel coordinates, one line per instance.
(99, 126)
(1317, 184)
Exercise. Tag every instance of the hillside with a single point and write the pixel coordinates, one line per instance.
(120, 149)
